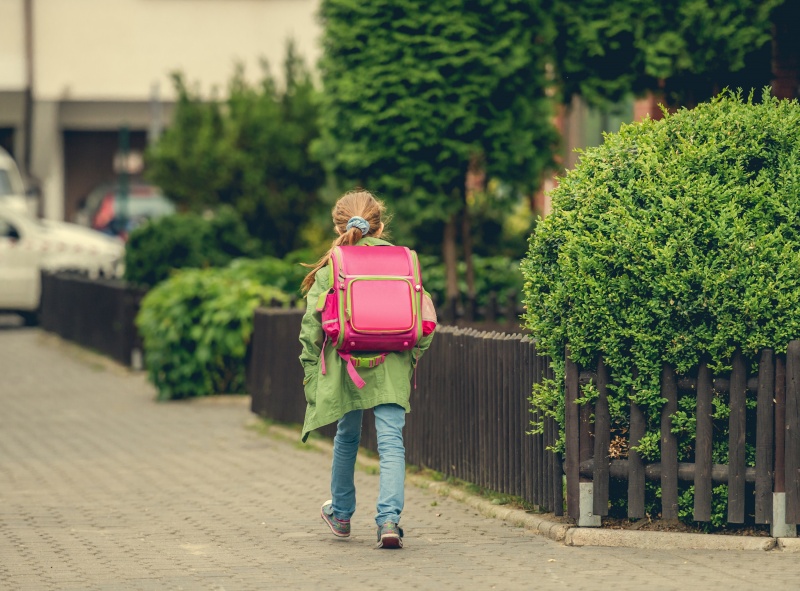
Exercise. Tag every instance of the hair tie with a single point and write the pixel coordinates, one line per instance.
(360, 223)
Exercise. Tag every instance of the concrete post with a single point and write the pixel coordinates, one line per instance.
(587, 517)
(779, 528)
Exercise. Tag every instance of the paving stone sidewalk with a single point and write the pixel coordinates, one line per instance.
(102, 488)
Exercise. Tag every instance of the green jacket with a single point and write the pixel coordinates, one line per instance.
(334, 394)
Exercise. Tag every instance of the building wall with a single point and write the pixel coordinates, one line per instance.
(12, 47)
(99, 65)
(115, 50)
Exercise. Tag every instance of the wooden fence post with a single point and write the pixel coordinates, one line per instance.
(602, 441)
(572, 435)
(780, 425)
(793, 433)
(764, 436)
(736, 450)
(669, 445)
(635, 464)
(703, 447)
(779, 528)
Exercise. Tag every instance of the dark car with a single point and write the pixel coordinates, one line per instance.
(103, 208)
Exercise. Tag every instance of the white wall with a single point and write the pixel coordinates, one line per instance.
(96, 62)
(115, 50)
(12, 45)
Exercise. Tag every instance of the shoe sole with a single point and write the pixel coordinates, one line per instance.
(330, 525)
(390, 541)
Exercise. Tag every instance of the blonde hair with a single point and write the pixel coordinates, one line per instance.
(358, 203)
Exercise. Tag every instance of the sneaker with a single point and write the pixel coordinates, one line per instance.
(390, 535)
(339, 527)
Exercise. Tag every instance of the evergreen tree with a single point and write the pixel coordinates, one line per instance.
(416, 91)
(250, 151)
(689, 50)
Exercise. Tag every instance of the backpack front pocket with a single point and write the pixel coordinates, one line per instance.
(381, 306)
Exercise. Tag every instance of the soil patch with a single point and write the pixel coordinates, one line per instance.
(678, 526)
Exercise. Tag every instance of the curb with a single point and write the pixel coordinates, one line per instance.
(789, 544)
(569, 534)
(657, 540)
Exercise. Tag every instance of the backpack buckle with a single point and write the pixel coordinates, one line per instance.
(368, 361)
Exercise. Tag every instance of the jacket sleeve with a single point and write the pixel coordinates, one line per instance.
(421, 347)
(311, 335)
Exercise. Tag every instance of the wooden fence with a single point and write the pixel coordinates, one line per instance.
(470, 411)
(777, 442)
(95, 313)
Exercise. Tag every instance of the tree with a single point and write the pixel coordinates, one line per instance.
(416, 91)
(188, 161)
(687, 50)
(786, 50)
(250, 151)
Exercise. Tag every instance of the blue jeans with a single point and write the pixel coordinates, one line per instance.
(389, 422)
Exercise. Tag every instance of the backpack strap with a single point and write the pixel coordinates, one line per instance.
(352, 364)
(351, 371)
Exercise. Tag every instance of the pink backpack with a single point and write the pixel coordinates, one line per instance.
(375, 303)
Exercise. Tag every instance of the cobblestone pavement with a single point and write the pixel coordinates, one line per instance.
(101, 487)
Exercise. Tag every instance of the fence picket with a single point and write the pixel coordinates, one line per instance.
(792, 453)
(669, 445)
(572, 430)
(602, 442)
(536, 458)
(505, 418)
(483, 425)
(779, 485)
(517, 436)
(736, 450)
(764, 436)
(703, 445)
(635, 464)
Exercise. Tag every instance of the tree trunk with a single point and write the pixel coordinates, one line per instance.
(474, 182)
(786, 51)
(466, 238)
(450, 263)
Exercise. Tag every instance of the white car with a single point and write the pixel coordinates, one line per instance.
(29, 245)
(12, 189)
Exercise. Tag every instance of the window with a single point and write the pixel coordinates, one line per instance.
(7, 230)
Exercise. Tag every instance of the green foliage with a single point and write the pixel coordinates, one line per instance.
(196, 326)
(279, 273)
(250, 151)
(673, 239)
(178, 241)
(498, 275)
(415, 89)
(606, 49)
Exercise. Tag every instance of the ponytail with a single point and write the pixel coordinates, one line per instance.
(349, 238)
(356, 214)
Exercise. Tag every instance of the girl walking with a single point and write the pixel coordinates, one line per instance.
(358, 219)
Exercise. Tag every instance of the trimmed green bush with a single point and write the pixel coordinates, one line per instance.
(674, 239)
(184, 240)
(196, 326)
